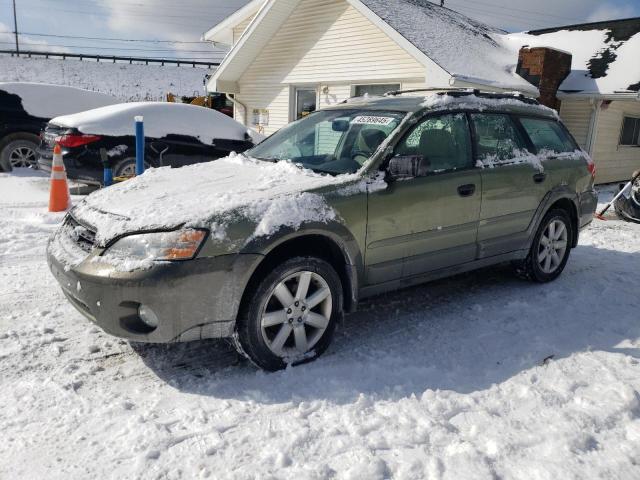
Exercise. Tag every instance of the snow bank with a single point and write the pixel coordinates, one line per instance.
(47, 101)
(210, 194)
(128, 83)
(452, 380)
(160, 120)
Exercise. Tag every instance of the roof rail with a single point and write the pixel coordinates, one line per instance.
(395, 93)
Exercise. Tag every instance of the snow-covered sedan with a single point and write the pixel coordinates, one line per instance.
(25, 109)
(176, 135)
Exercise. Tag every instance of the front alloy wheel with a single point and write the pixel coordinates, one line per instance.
(297, 314)
(290, 314)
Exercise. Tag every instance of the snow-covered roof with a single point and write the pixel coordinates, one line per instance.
(468, 50)
(606, 55)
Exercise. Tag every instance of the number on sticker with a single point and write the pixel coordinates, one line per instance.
(371, 120)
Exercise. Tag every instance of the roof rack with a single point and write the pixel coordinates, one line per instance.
(395, 93)
(467, 91)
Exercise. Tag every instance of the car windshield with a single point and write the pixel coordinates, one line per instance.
(330, 141)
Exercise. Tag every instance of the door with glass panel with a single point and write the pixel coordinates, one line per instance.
(429, 222)
(513, 185)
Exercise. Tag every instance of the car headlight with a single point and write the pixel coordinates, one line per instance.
(165, 246)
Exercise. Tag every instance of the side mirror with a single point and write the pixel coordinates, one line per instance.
(408, 166)
(340, 125)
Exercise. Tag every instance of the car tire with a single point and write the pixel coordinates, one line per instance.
(273, 335)
(550, 249)
(127, 167)
(18, 150)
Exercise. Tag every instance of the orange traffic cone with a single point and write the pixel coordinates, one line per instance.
(59, 193)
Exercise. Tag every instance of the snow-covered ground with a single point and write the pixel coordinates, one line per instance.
(477, 376)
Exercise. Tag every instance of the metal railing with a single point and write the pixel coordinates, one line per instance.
(111, 58)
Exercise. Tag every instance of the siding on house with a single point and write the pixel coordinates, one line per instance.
(576, 115)
(323, 43)
(613, 161)
(239, 29)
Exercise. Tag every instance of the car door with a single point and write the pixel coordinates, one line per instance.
(513, 186)
(430, 222)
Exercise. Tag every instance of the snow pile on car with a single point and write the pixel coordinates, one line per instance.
(160, 119)
(47, 101)
(210, 194)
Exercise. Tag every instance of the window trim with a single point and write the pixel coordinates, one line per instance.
(424, 117)
(629, 145)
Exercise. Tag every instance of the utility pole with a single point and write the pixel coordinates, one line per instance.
(15, 27)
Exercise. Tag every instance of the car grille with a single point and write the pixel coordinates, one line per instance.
(83, 236)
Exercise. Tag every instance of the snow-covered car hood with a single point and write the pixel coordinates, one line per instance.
(210, 195)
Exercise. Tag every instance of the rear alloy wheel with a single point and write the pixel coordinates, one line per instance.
(292, 316)
(550, 249)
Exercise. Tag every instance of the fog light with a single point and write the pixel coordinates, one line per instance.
(148, 316)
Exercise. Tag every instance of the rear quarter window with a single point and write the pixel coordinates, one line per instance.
(547, 135)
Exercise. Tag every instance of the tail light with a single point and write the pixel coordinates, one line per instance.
(592, 169)
(76, 140)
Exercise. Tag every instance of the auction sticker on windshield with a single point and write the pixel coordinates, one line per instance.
(371, 120)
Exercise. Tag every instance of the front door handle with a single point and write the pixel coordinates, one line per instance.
(539, 177)
(466, 190)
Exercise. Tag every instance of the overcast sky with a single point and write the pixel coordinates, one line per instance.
(186, 20)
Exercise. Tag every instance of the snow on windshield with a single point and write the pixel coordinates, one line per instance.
(47, 101)
(160, 119)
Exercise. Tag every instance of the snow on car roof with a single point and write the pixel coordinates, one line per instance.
(44, 100)
(160, 119)
(463, 47)
(605, 54)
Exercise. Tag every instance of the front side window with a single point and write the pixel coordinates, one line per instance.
(630, 132)
(330, 141)
(547, 135)
(497, 138)
(442, 142)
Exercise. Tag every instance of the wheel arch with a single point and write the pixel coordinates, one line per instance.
(564, 199)
(331, 247)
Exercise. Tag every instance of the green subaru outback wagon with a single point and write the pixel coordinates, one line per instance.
(270, 248)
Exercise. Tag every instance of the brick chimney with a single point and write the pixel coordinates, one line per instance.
(546, 68)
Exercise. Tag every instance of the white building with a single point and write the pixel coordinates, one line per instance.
(289, 57)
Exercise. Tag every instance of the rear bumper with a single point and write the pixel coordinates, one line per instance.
(83, 174)
(193, 300)
(588, 204)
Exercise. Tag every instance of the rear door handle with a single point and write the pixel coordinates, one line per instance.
(466, 190)
(539, 177)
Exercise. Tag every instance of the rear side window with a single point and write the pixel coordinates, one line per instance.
(497, 138)
(547, 135)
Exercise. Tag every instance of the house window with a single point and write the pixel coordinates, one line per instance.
(630, 132)
(374, 90)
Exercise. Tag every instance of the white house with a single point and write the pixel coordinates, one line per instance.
(290, 57)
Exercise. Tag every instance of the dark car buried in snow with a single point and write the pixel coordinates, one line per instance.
(25, 109)
(175, 135)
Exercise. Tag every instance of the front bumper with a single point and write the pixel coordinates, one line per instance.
(193, 300)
